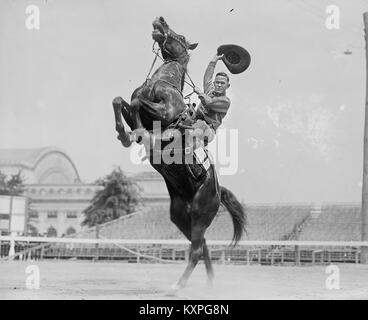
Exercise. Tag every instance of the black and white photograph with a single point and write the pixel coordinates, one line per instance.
(202, 151)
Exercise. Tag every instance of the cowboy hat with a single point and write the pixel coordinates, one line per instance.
(236, 58)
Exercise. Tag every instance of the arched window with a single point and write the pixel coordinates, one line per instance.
(70, 230)
(32, 230)
(51, 232)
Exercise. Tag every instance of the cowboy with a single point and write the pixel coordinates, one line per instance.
(214, 102)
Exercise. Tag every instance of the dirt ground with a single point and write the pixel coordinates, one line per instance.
(117, 280)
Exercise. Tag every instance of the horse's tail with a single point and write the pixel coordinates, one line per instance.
(236, 211)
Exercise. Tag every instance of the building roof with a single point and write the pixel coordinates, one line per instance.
(25, 157)
(30, 158)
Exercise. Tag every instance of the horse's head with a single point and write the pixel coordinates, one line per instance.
(173, 45)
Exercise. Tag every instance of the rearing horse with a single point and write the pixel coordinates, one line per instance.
(195, 200)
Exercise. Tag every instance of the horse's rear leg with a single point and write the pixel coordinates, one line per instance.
(180, 216)
(208, 264)
(195, 253)
(204, 208)
(198, 249)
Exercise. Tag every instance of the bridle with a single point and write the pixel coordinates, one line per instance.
(173, 37)
(172, 59)
(157, 51)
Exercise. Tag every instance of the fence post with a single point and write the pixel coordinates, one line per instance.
(297, 256)
(42, 252)
(138, 256)
(160, 251)
(259, 256)
(12, 248)
(223, 256)
(96, 245)
(247, 257)
(364, 207)
(173, 254)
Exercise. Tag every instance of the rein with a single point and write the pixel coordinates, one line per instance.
(154, 60)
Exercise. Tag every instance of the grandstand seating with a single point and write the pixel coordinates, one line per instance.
(265, 222)
(337, 222)
(148, 223)
(329, 222)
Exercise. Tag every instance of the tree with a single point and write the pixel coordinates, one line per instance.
(119, 196)
(13, 186)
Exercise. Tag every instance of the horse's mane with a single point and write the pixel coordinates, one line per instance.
(182, 60)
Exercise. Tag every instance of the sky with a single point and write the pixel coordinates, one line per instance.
(298, 109)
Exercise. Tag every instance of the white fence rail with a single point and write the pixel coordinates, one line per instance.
(186, 242)
(176, 250)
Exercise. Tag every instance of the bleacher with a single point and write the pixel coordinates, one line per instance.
(265, 222)
(329, 222)
(335, 222)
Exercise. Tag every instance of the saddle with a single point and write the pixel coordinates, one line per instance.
(192, 154)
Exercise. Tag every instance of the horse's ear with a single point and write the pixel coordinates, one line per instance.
(192, 46)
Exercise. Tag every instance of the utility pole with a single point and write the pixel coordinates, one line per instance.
(364, 210)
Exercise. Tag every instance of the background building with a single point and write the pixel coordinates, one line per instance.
(57, 194)
(154, 191)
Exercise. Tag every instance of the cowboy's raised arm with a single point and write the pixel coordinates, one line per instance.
(208, 75)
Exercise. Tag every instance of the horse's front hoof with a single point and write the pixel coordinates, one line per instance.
(209, 284)
(141, 136)
(117, 102)
(125, 141)
(174, 289)
(177, 286)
